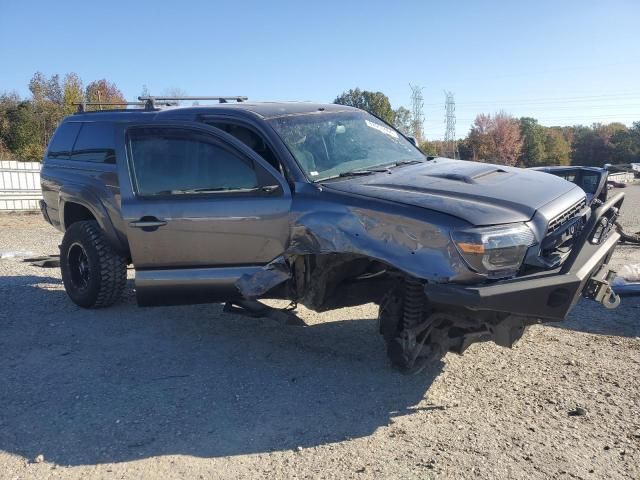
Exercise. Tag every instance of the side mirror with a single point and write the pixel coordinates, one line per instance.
(413, 140)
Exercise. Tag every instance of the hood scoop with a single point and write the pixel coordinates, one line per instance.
(466, 178)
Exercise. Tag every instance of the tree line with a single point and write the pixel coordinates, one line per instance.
(504, 139)
(27, 124)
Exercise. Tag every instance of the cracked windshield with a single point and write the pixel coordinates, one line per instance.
(329, 145)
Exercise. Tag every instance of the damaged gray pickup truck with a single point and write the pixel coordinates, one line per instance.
(324, 205)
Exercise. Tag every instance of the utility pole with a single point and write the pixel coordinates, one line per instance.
(450, 146)
(417, 117)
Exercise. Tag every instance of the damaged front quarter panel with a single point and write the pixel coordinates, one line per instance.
(413, 241)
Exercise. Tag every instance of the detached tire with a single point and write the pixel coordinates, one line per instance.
(94, 275)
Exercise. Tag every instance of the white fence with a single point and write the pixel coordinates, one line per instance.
(19, 185)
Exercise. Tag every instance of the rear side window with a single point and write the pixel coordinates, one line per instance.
(63, 140)
(95, 143)
(174, 161)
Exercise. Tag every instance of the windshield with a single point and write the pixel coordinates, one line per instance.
(328, 145)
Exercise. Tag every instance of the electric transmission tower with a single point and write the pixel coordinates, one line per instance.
(417, 117)
(450, 147)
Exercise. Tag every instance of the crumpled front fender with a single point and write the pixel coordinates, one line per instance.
(415, 246)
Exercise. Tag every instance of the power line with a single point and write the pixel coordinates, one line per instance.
(533, 73)
(545, 100)
(635, 106)
(565, 117)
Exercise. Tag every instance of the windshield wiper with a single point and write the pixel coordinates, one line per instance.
(404, 162)
(356, 173)
(367, 171)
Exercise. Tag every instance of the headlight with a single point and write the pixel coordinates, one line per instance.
(497, 251)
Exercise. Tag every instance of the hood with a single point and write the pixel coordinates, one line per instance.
(480, 193)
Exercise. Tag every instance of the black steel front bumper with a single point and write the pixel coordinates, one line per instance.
(550, 294)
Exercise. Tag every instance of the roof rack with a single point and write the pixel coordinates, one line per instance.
(150, 102)
(82, 106)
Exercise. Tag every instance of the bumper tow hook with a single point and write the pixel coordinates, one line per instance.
(603, 291)
(610, 299)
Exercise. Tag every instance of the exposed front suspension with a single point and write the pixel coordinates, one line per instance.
(417, 332)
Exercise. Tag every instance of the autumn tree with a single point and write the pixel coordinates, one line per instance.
(46, 102)
(507, 139)
(376, 103)
(104, 91)
(496, 138)
(71, 93)
(27, 125)
(481, 140)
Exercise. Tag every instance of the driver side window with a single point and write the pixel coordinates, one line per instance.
(251, 139)
(173, 161)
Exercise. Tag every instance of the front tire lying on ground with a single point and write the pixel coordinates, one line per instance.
(94, 275)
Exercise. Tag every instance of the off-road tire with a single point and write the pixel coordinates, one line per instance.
(99, 277)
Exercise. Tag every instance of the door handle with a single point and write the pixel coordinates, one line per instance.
(270, 188)
(148, 222)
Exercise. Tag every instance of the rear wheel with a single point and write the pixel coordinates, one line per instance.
(94, 275)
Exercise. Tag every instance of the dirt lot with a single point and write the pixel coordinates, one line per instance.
(192, 392)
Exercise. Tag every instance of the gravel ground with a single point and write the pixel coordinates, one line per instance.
(192, 392)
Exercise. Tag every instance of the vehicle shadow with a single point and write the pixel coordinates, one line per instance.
(590, 317)
(94, 386)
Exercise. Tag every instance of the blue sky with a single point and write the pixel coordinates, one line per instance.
(563, 62)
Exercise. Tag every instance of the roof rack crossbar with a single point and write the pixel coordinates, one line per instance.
(150, 101)
(82, 106)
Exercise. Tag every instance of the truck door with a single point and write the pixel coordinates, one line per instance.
(201, 209)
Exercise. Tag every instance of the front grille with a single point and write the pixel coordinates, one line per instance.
(559, 220)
